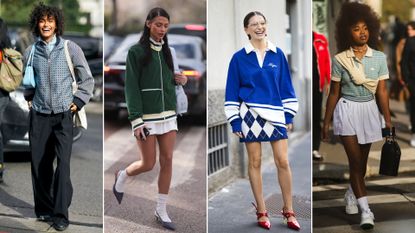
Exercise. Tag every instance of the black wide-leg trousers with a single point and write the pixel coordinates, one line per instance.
(50, 137)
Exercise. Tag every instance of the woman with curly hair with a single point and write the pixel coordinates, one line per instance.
(52, 104)
(260, 105)
(359, 74)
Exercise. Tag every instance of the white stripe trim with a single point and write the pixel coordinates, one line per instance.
(232, 102)
(233, 118)
(280, 125)
(383, 77)
(289, 111)
(290, 99)
(265, 105)
(151, 89)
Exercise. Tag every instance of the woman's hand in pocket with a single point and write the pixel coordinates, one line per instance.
(73, 107)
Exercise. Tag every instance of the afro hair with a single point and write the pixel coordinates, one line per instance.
(350, 14)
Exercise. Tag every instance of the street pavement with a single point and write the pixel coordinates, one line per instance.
(85, 213)
(187, 197)
(230, 208)
(392, 199)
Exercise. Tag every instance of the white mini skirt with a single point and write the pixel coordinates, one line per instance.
(362, 119)
(159, 128)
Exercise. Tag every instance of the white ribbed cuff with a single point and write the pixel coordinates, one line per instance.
(137, 123)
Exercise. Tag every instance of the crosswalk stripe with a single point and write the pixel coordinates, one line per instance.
(383, 182)
(406, 154)
(374, 199)
(117, 146)
(184, 159)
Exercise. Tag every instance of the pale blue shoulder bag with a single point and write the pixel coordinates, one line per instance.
(29, 74)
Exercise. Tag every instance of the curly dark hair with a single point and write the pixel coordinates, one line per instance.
(42, 10)
(350, 14)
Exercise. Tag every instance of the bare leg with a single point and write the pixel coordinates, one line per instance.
(280, 150)
(166, 147)
(357, 155)
(255, 176)
(148, 157)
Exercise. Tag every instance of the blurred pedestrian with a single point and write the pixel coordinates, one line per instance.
(359, 74)
(408, 74)
(52, 105)
(321, 84)
(4, 95)
(151, 101)
(260, 104)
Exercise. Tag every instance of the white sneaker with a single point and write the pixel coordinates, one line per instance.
(367, 218)
(351, 203)
(317, 156)
(412, 143)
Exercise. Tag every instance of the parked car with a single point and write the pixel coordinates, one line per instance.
(190, 52)
(189, 30)
(15, 126)
(111, 43)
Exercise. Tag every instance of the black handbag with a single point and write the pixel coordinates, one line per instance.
(391, 154)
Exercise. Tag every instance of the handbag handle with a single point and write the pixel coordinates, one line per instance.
(389, 134)
(31, 55)
(69, 61)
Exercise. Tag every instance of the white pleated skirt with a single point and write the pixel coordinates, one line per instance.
(362, 119)
(159, 128)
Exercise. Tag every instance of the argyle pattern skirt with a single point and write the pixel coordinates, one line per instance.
(256, 129)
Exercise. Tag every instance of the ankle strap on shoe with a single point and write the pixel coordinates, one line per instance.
(288, 214)
(260, 215)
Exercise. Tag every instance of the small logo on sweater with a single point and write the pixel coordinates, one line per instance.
(272, 65)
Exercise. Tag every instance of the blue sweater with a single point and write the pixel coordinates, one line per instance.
(267, 90)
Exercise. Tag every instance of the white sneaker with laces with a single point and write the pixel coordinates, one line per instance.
(367, 222)
(412, 143)
(351, 203)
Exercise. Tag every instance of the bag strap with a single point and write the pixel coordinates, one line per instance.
(31, 55)
(69, 60)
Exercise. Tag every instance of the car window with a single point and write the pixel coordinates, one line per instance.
(184, 51)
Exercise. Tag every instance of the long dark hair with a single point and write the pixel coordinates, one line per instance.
(350, 14)
(145, 39)
(4, 37)
(41, 10)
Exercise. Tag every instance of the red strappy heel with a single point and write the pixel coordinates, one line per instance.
(264, 224)
(290, 224)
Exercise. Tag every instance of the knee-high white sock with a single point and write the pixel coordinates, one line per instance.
(161, 207)
(122, 177)
(364, 206)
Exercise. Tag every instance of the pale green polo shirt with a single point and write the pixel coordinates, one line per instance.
(375, 67)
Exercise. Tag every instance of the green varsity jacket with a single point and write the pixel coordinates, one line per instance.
(149, 90)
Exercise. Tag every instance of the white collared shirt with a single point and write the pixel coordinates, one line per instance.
(270, 46)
